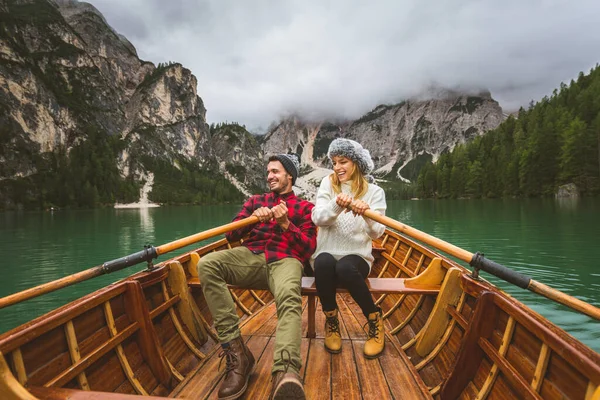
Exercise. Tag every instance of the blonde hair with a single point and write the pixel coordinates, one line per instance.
(359, 184)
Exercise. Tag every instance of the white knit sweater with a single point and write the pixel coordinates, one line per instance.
(342, 233)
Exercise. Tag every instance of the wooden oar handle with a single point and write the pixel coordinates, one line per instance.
(186, 241)
(110, 266)
(50, 286)
(565, 299)
(478, 261)
(422, 236)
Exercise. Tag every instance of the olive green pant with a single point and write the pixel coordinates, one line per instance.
(240, 267)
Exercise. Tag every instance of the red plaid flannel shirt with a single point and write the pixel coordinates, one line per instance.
(298, 241)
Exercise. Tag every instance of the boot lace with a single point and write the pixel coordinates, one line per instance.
(333, 324)
(285, 354)
(289, 359)
(231, 359)
(275, 378)
(373, 329)
(287, 366)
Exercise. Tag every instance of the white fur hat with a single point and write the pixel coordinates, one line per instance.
(354, 151)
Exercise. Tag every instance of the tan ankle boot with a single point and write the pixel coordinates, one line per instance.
(240, 363)
(375, 335)
(333, 338)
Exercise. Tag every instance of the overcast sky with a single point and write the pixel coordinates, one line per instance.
(259, 60)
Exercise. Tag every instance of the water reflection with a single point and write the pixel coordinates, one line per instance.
(136, 229)
(567, 203)
(146, 224)
(125, 240)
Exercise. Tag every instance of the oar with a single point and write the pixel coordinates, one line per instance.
(147, 254)
(478, 261)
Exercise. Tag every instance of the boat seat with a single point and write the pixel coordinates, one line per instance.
(427, 283)
(375, 285)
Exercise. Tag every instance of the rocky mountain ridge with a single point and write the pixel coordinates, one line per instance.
(66, 77)
(400, 137)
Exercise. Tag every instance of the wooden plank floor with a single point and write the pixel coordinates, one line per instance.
(347, 375)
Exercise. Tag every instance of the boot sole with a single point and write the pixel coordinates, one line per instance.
(376, 355)
(333, 351)
(243, 390)
(289, 389)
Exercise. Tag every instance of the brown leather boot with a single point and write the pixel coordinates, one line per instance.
(240, 363)
(287, 385)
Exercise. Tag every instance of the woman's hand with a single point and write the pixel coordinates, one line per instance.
(343, 200)
(359, 207)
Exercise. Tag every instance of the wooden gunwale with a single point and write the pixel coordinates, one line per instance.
(550, 333)
(549, 336)
(15, 338)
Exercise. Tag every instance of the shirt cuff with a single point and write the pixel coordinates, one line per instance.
(291, 228)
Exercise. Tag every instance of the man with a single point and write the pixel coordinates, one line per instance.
(271, 258)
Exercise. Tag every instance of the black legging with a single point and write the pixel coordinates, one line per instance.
(350, 272)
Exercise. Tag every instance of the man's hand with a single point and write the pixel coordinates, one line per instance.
(264, 214)
(280, 212)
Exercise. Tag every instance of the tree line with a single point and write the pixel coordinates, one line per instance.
(85, 176)
(554, 142)
(187, 183)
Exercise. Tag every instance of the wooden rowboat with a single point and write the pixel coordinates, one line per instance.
(449, 335)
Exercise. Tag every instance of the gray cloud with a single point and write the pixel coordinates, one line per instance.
(259, 60)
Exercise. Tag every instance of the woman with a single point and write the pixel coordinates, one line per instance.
(343, 256)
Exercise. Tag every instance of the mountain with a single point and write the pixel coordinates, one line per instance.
(67, 81)
(85, 122)
(400, 137)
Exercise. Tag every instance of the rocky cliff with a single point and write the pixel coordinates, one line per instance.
(400, 137)
(65, 72)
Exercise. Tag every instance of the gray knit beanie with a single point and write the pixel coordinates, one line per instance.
(354, 151)
(290, 163)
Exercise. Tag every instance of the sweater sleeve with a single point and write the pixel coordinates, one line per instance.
(377, 204)
(326, 209)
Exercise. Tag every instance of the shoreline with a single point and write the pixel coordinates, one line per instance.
(136, 205)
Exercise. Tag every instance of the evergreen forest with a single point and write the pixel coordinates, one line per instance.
(554, 142)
